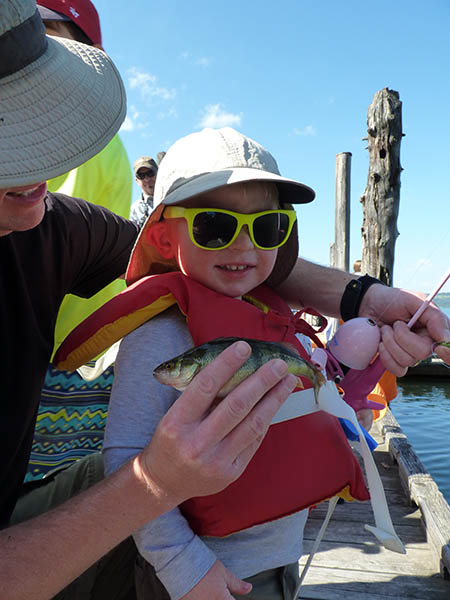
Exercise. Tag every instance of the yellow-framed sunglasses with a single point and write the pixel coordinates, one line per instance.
(216, 228)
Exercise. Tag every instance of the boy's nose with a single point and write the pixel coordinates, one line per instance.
(243, 241)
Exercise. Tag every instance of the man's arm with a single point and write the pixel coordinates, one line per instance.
(317, 286)
(322, 288)
(193, 452)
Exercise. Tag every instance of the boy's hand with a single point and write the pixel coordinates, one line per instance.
(218, 584)
(402, 347)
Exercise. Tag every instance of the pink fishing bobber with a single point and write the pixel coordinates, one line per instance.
(355, 343)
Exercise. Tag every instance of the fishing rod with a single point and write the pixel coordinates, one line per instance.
(428, 300)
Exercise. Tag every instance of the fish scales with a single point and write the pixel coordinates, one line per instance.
(179, 371)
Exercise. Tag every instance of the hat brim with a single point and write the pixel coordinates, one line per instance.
(47, 14)
(290, 191)
(58, 112)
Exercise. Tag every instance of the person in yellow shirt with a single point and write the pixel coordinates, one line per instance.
(105, 179)
(72, 412)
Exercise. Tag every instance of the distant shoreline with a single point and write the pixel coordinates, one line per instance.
(443, 300)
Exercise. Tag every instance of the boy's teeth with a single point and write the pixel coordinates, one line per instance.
(234, 267)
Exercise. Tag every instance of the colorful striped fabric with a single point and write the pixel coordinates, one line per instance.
(71, 420)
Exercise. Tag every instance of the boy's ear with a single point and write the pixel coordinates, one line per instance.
(158, 236)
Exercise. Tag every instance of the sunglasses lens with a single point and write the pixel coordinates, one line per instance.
(213, 229)
(143, 174)
(271, 230)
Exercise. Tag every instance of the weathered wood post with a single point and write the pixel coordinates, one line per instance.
(381, 197)
(340, 249)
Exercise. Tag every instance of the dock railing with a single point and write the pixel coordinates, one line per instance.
(421, 489)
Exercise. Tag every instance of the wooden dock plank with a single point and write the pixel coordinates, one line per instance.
(323, 583)
(351, 562)
(370, 556)
(341, 530)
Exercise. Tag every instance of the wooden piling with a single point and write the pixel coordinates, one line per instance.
(340, 249)
(381, 197)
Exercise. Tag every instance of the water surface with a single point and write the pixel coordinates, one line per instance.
(422, 409)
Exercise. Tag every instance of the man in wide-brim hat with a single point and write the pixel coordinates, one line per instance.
(61, 102)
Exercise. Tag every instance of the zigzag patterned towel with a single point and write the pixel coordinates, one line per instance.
(71, 420)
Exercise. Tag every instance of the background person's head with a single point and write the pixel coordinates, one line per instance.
(145, 171)
(214, 161)
(75, 20)
(60, 104)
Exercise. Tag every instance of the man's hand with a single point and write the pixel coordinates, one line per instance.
(196, 451)
(402, 347)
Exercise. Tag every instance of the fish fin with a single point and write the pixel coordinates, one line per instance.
(299, 385)
(317, 382)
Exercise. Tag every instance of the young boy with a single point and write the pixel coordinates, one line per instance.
(223, 221)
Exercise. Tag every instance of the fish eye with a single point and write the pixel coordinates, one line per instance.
(169, 365)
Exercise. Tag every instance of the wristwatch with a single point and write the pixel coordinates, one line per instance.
(353, 295)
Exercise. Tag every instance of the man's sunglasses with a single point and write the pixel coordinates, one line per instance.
(143, 174)
(215, 229)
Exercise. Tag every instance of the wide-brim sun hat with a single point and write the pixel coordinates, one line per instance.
(206, 161)
(61, 102)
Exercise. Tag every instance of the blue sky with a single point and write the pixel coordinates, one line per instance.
(298, 77)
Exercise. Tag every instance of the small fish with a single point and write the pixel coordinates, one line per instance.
(178, 372)
(445, 344)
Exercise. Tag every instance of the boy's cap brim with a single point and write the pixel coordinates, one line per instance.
(57, 111)
(291, 191)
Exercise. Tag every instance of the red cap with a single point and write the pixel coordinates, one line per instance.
(82, 12)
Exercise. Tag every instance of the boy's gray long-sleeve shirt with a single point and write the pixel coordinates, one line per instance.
(138, 402)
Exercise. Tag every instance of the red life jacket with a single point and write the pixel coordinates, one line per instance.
(301, 461)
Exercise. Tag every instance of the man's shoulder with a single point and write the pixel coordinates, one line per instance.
(62, 205)
(73, 220)
(68, 204)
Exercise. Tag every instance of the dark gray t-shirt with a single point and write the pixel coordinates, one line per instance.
(78, 248)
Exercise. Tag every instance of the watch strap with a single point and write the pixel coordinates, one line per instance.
(353, 295)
